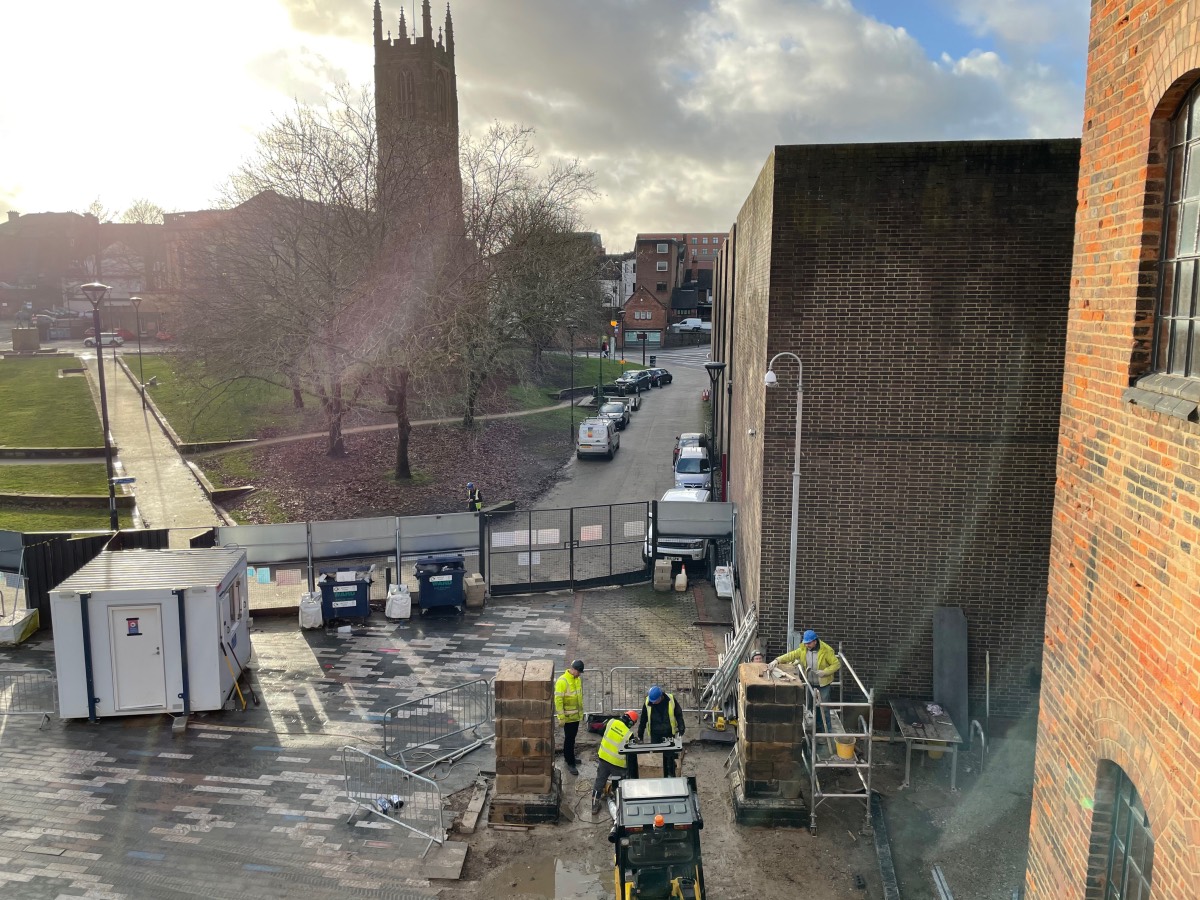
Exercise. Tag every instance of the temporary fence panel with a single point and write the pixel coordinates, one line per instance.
(401, 797)
(595, 691)
(556, 549)
(343, 538)
(428, 723)
(628, 685)
(28, 692)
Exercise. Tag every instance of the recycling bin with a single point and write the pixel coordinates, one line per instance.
(345, 593)
(441, 581)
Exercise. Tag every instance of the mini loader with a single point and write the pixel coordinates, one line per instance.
(656, 838)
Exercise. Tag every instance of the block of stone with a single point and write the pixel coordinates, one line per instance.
(506, 784)
(509, 676)
(539, 680)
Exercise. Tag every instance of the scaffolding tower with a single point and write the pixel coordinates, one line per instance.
(846, 719)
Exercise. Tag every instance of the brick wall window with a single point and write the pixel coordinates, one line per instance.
(1121, 862)
(1177, 333)
(662, 266)
(660, 286)
(662, 248)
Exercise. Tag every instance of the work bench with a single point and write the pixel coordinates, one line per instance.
(923, 729)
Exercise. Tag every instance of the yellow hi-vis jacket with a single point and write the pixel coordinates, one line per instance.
(610, 743)
(568, 698)
(826, 661)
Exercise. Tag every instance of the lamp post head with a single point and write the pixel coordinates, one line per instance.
(136, 301)
(94, 291)
(714, 368)
(770, 380)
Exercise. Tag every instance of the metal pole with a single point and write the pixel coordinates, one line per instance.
(571, 353)
(791, 620)
(137, 315)
(99, 290)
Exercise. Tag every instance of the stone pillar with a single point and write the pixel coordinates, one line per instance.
(766, 782)
(528, 787)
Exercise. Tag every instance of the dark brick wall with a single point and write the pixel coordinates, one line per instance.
(924, 287)
(1122, 651)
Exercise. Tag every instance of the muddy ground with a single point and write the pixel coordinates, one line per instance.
(977, 835)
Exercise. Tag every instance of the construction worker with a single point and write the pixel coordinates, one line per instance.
(757, 656)
(568, 706)
(612, 760)
(819, 662)
(665, 720)
(474, 498)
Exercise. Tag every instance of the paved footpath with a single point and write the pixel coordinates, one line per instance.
(251, 804)
(168, 494)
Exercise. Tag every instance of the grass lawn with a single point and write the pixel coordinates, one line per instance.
(29, 519)
(75, 479)
(199, 409)
(42, 410)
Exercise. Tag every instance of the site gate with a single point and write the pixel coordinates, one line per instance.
(555, 549)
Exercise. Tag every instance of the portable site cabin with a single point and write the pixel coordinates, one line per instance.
(151, 631)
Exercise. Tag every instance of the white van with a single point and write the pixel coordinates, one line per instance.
(677, 549)
(597, 437)
(107, 339)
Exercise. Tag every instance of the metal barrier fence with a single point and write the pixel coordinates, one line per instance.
(628, 685)
(401, 797)
(428, 722)
(28, 692)
(595, 691)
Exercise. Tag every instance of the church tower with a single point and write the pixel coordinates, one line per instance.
(415, 84)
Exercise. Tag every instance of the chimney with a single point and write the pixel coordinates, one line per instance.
(13, 215)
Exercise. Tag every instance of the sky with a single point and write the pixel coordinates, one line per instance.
(673, 104)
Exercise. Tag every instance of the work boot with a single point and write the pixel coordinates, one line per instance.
(572, 768)
(597, 801)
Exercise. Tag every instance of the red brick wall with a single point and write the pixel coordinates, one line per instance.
(1122, 649)
(643, 302)
(925, 288)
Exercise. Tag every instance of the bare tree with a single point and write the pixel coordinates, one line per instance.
(530, 264)
(143, 212)
(291, 282)
(97, 208)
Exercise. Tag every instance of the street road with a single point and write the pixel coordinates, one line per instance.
(641, 469)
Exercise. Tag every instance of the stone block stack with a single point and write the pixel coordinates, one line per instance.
(766, 781)
(528, 787)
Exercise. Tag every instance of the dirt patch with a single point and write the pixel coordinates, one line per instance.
(509, 459)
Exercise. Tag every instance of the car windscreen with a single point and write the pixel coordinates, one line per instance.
(691, 465)
(616, 409)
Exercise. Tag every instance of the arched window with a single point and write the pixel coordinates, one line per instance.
(1122, 858)
(406, 94)
(1177, 324)
(441, 98)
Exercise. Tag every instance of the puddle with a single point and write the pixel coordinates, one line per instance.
(546, 878)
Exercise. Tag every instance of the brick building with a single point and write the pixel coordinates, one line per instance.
(924, 288)
(676, 270)
(1116, 806)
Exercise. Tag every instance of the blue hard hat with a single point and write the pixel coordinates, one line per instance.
(809, 636)
(656, 694)
(470, 485)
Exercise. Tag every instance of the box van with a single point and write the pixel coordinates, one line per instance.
(692, 469)
(676, 549)
(597, 437)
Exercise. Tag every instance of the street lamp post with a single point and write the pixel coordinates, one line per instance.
(137, 315)
(571, 353)
(715, 370)
(770, 380)
(95, 293)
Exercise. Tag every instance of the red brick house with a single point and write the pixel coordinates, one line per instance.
(1116, 806)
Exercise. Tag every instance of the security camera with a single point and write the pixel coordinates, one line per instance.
(752, 432)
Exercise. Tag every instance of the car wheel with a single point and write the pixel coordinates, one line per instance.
(578, 455)
(89, 343)
(610, 453)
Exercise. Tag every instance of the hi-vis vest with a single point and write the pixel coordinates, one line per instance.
(610, 743)
(648, 706)
(568, 698)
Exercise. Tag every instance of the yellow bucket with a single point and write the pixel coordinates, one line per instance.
(936, 754)
(845, 749)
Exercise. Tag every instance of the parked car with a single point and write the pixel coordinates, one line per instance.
(107, 339)
(691, 324)
(692, 468)
(660, 377)
(639, 378)
(164, 336)
(616, 410)
(597, 437)
(625, 390)
(676, 549)
(688, 439)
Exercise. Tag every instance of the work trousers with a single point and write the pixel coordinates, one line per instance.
(570, 729)
(821, 719)
(604, 771)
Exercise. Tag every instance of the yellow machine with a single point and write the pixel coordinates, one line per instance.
(656, 840)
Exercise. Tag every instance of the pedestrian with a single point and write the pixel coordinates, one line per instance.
(820, 663)
(568, 706)
(665, 719)
(612, 760)
(604, 350)
(474, 498)
(758, 656)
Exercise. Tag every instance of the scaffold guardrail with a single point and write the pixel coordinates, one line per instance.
(393, 793)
